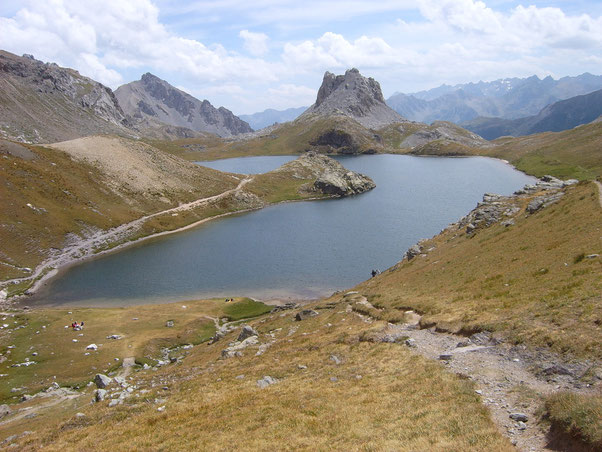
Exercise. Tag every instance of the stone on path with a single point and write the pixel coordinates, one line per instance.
(519, 417)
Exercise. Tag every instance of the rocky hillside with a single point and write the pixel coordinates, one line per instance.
(557, 117)
(355, 96)
(510, 98)
(151, 100)
(42, 102)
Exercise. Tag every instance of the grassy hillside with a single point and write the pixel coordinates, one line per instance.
(575, 153)
(529, 282)
(332, 392)
(48, 196)
(329, 135)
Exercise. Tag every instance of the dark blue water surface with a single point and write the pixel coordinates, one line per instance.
(303, 249)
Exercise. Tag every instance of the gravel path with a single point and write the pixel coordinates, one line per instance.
(86, 247)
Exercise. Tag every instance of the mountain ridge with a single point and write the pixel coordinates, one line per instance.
(151, 100)
(43, 102)
(556, 117)
(508, 98)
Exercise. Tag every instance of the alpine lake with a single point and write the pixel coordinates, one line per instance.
(291, 250)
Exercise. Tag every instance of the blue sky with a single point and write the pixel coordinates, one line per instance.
(252, 55)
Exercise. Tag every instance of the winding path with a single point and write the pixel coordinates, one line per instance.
(599, 190)
(85, 248)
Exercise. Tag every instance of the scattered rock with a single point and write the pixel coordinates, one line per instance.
(543, 201)
(92, 347)
(235, 349)
(410, 343)
(305, 314)
(169, 324)
(336, 359)
(519, 417)
(102, 381)
(412, 252)
(247, 331)
(521, 425)
(284, 307)
(445, 357)
(4, 410)
(80, 415)
(100, 394)
(114, 336)
(555, 369)
(266, 381)
(334, 379)
(301, 366)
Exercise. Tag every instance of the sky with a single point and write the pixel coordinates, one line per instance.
(252, 55)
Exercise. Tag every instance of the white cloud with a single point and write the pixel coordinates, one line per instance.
(334, 51)
(255, 43)
(100, 37)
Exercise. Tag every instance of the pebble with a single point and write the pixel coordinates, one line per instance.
(161, 408)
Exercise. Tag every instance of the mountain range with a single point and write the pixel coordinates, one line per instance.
(270, 117)
(509, 98)
(562, 115)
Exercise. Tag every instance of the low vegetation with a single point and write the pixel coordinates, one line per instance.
(577, 416)
(573, 153)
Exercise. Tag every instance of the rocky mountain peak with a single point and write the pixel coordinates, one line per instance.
(151, 100)
(355, 96)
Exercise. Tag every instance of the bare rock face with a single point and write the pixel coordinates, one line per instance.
(355, 96)
(150, 101)
(43, 102)
(331, 178)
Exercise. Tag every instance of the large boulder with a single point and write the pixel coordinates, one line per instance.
(343, 184)
(247, 331)
(305, 314)
(102, 381)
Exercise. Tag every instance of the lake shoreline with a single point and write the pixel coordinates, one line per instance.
(68, 261)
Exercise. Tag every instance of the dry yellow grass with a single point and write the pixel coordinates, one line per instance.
(400, 402)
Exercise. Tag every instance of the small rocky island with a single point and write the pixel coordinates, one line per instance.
(330, 177)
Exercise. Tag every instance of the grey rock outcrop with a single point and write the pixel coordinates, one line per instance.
(266, 381)
(151, 100)
(305, 314)
(355, 96)
(247, 331)
(102, 381)
(4, 410)
(100, 395)
(236, 348)
(331, 178)
(412, 252)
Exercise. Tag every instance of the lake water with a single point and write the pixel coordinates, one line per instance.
(304, 249)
